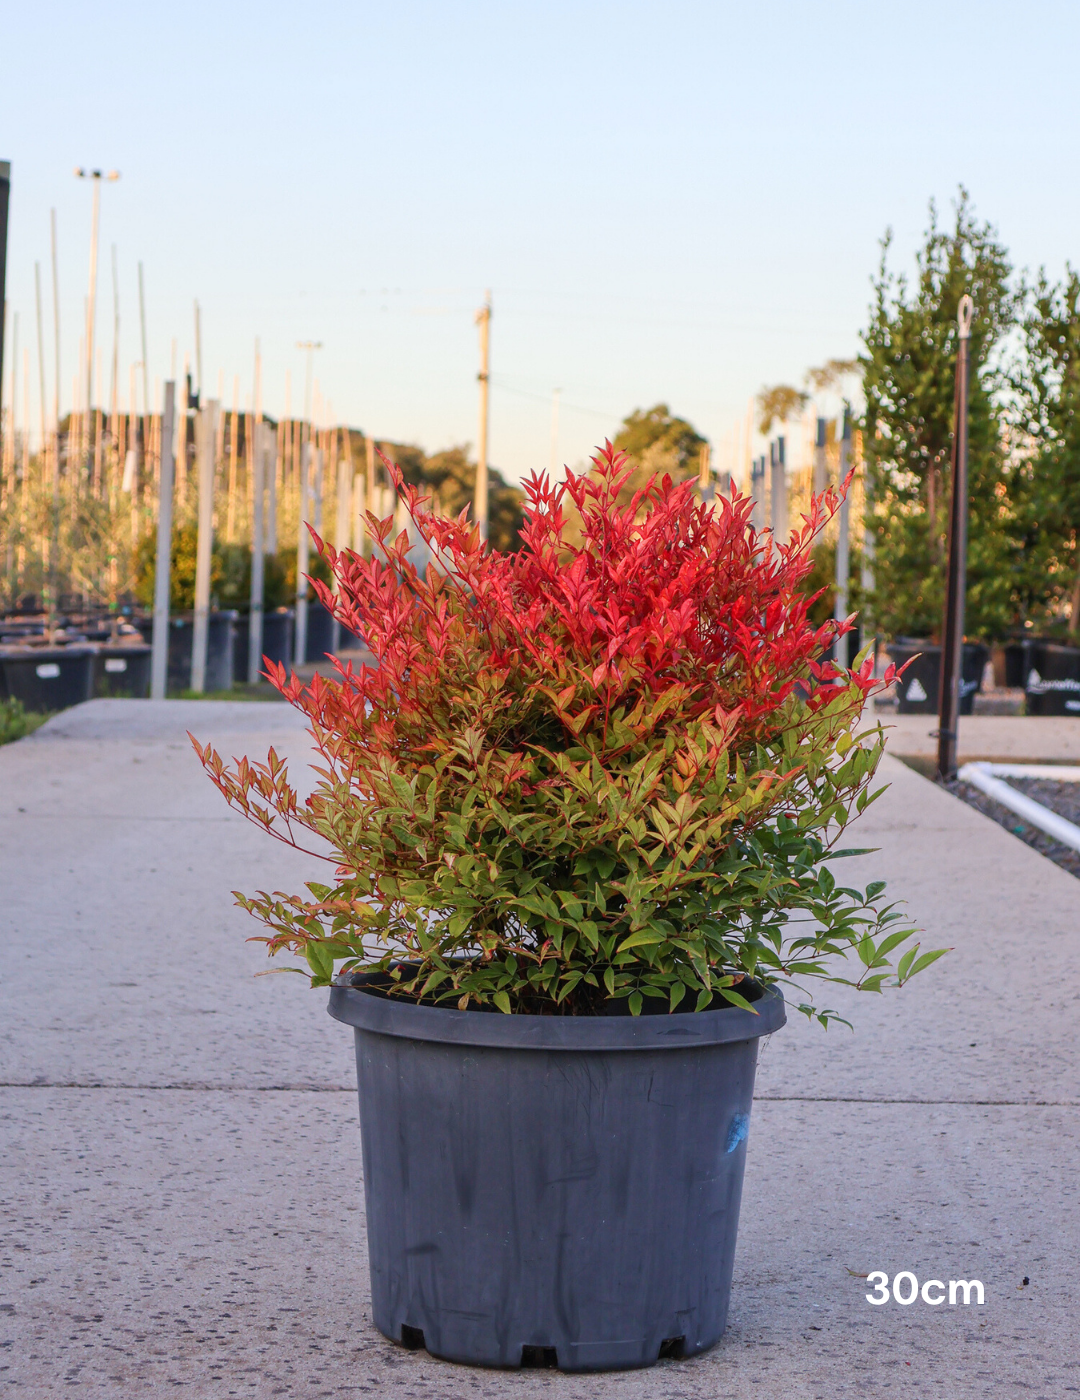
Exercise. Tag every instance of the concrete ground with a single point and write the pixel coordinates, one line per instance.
(181, 1179)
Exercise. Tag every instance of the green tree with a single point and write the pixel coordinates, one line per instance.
(450, 477)
(1046, 419)
(909, 365)
(658, 441)
(777, 404)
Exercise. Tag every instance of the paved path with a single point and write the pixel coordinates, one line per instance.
(181, 1188)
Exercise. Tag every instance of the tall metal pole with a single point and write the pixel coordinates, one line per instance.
(303, 543)
(264, 435)
(480, 505)
(310, 346)
(145, 360)
(821, 466)
(198, 352)
(956, 580)
(843, 543)
(5, 199)
(41, 355)
(757, 492)
(115, 390)
(95, 177)
(205, 442)
(159, 661)
(56, 332)
(369, 464)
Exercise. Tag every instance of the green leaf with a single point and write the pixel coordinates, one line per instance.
(502, 1001)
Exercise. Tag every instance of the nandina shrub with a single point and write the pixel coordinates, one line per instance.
(581, 774)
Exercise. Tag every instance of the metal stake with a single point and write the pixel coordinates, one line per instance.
(159, 661)
(843, 549)
(956, 583)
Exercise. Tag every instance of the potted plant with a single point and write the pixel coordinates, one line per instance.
(580, 819)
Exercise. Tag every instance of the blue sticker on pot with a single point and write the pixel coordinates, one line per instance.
(740, 1126)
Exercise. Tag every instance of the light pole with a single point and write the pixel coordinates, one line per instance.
(96, 177)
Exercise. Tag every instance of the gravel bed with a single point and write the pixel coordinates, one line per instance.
(1062, 798)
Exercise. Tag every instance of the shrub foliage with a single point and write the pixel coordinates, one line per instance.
(582, 773)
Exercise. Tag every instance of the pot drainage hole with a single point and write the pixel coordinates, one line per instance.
(539, 1356)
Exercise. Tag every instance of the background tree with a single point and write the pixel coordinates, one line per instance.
(777, 405)
(909, 365)
(657, 441)
(1046, 486)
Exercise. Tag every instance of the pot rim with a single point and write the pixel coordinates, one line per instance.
(680, 1031)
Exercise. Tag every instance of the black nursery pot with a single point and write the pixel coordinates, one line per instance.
(917, 688)
(1052, 679)
(123, 670)
(219, 649)
(277, 641)
(558, 1190)
(48, 678)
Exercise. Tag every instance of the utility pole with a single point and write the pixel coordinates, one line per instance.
(5, 199)
(96, 177)
(842, 649)
(480, 505)
(159, 661)
(952, 648)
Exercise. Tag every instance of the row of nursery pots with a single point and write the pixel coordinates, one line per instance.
(68, 667)
(1047, 671)
(56, 675)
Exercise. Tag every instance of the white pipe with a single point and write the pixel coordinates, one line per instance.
(981, 776)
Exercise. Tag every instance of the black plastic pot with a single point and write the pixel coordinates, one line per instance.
(558, 1190)
(1052, 679)
(1013, 671)
(219, 649)
(123, 670)
(277, 642)
(917, 688)
(320, 631)
(48, 678)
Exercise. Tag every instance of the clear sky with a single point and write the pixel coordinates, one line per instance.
(676, 201)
